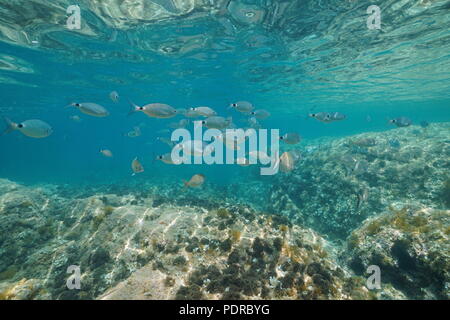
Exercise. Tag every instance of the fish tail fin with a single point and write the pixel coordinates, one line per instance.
(72, 104)
(10, 126)
(276, 159)
(133, 108)
(358, 201)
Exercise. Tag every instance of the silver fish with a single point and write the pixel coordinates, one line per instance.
(217, 122)
(31, 128)
(242, 106)
(291, 138)
(192, 114)
(204, 111)
(136, 132)
(254, 123)
(136, 166)
(362, 197)
(401, 122)
(166, 158)
(321, 116)
(75, 118)
(114, 96)
(287, 162)
(106, 153)
(91, 109)
(337, 116)
(155, 110)
(361, 166)
(196, 181)
(260, 114)
(167, 141)
(194, 148)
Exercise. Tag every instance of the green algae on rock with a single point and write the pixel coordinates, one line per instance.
(346, 180)
(411, 246)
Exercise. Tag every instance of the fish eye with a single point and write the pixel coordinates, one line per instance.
(77, 105)
(203, 122)
(20, 125)
(141, 108)
(234, 104)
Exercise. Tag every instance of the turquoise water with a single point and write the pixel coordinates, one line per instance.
(290, 58)
(287, 67)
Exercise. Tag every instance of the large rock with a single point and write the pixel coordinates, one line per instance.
(343, 181)
(410, 246)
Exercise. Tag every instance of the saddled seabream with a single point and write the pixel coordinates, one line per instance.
(136, 132)
(321, 116)
(166, 158)
(204, 111)
(165, 140)
(260, 114)
(337, 116)
(75, 118)
(136, 166)
(155, 110)
(291, 138)
(194, 148)
(196, 181)
(287, 162)
(192, 114)
(217, 122)
(91, 109)
(253, 122)
(31, 128)
(107, 153)
(114, 96)
(401, 122)
(242, 106)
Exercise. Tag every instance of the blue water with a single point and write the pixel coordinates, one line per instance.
(71, 154)
(213, 60)
(291, 58)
